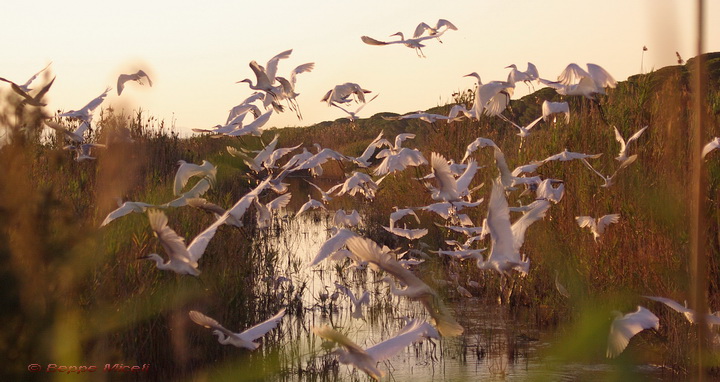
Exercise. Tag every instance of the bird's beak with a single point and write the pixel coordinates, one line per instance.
(143, 258)
(509, 66)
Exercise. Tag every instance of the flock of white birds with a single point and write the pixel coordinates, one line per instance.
(449, 184)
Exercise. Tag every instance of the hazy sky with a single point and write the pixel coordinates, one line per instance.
(196, 51)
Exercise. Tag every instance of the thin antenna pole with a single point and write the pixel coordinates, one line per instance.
(698, 237)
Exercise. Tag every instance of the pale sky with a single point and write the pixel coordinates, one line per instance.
(196, 51)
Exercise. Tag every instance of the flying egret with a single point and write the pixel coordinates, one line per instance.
(398, 158)
(367, 359)
(528, 76)
(401, 213)
(24, 92)
(83, 150)
(623, 328)
(434, 31)
(549, 109)
(491, 98)
(287, 87)
(245, 339)
(622, 157)
(689, 314)
(358, 182)
(252, 128)
(574, 80)
(264, 211)
(352, 115)
(345, 93)
(477, 144)
(524, 130)
(710, 146)
(196, 191)
(85, 113)
(597, 226)
(182, 259)
(507, 239)
(413, 43)
(364, 158)
(217, 211)
(610, 179)
(265, 76)
(124, 209)
(343, 218)
(449, 188)
(333, 244)
(566, 155)
(416, 289)
(25, 87)
(546, 190)
(311, 204)
(137, 77)
(187, 170)
(357, 303)
(408, 233)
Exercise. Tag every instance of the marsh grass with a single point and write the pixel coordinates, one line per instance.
(76, 294)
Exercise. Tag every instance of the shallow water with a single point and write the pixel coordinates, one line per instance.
(495, 345)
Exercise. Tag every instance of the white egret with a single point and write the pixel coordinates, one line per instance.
(82, 151)
(408, 233)
(25, 87)
(413, 43)
(574, 80)
(137, 77)
(287, 87)
(352, 115)
(528, 76)
(610, 179)
(357, 303)
(265, 76)
(311, 204)
(85, 113)
(546, 190)
(23, 91)
(217, 211)
(623, 328)
(566, 155)
(264, 211)
(252, 128)
(315, 162)
(549, 109)
(124, 209)
(710, 146)
(448, 188)
(342, 218)
(597, 226)
(401, 213)
(507, 239)
(398, 158)
(76, 135)
(688, 313)
(196, 191)
(524, 130)
(491, 98)
(367, 359)
(182, 259)
(364, 158)
(345, 93)
(477, 144)
(416, 289)
(333, 244)
(358, 182)
(245, 339)
(434, 31)
(241, 206)
(622, 157)
(187, 170)
(246, 106)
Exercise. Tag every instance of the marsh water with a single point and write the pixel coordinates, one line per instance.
(497, 343)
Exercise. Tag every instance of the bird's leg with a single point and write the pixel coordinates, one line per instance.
(602, 112)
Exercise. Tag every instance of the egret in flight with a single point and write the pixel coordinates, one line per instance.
(245, 339)
(623, 328)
